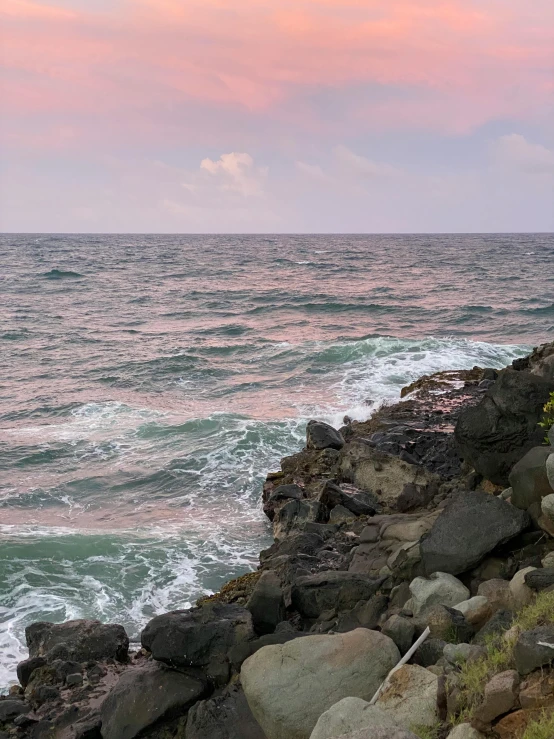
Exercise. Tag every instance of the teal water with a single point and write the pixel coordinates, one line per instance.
(148, 383)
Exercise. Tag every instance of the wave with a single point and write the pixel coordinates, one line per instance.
(58, 274)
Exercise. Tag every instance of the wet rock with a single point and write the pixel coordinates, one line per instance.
(145, 695)
(401, 631)
(266, 604)
(313, 594)
(286, 700)
(213, 638)
(439, 589)
(470, 527)
(226, 716)
(496, 433)
(80, 640)
(501, 693)
(531, 649)
(320, 435)
(528, 478)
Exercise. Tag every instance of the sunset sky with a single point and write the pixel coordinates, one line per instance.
(276, 115)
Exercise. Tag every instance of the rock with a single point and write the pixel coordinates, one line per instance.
(41, 694)
(410, 697)
(548, 561)
(313, 594)
(365, 614)
(320, 435)
(26, 668)
(500, 696)
(470, 527)
(405, 561)
(540, 579)
(379, 733)
(213, 638)
(529, 653)
(74, 679)
(537, 691)
(458, 654)
(448, 624)
(550, 460)
(348, 715)
(541, 361)
(146, 695)
(286, 700)
(80, 640)
(495, 434)
(498, 624)
(340, 514)
(359, 503)
(9, 709)
(439, 589)
(266, 604)
(225, 716)
(295, 513)
(547, 503)
(281, 495)
(401, 631)
(514, 725)
(498, 594)
(465, 731)
(528, 478)
(429, 652)
(476, 610)
(521, 593)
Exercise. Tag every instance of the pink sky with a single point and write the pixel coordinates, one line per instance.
(420, 103)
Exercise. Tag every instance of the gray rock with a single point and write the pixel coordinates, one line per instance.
(476, 610)
(439, 589)
(529, 653)
(528, 478)
(498, 594)
(81, 640)
(320, 435)
(470, 527)
(26, 668)
(313, 594)
(401, 630)
(296, 513)
(448, 624)
(547, 503)
(540, 579)
(550, 461)
(498, 624)
(522, 594)
(501, 693)
(9, 709)
(348, 715)
(144, 696)
(366, 614)
(225, 716)
(429, 652)
(74, 679)
(266, 604)
(495, 434)
(359, 503)
(279, 682)
(410, 697)
(457, 654)
(281, 495)
(212, 638)
(340, 515)
(465, 731)
(380, 733)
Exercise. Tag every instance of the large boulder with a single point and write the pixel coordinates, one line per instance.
(81, 641)
(357, 502)
(145, 695)
(288, 687)
(225, 716)
(313, 594)
(266, 604)
(213, 638)
(528, 478)
(320, 435)
(410, 697)
(471, 526)
(540, 362)
(495, 434)
(351, 714)
(439, 589)
(281, 495)
(534, 649)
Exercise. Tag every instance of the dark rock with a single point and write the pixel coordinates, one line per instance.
(314, 594)
(87, 729)
(9, 709)
(359, 503)
(74, 679)
(24, 721)
(320, 435)
(226, 716)
(413, 496)
(43, 694)
(401, 630)
(295, 513)
(528, 478)
(145, 695)
(529, 653)
(500, 622)
(447, 624)
(212, 638)
(366, 615)
(266, 604)
(496, 433)
(540, 579)
(490, 374)
(308, 543)
(279, 496)
(429, 652)
(26, 668)
(471, 526)
(80, 640)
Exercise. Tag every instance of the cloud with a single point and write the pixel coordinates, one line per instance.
(515, 152)
(236, 172)
(362, 167)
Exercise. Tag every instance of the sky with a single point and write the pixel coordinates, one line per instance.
(276, 115)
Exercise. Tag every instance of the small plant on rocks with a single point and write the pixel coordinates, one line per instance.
(548, 418)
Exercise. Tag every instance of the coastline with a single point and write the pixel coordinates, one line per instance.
(359, 516)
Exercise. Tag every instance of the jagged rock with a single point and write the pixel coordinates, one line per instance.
(81, 640)
(448, 624)
(286, 700)
(540, 579)
(496, 433)
(501, 693)
(401, 630)
(313, 594)
(320, 435)
(528, 478)
(266, 604)
(295, 513)
(529, 653)
(365, 614)
(470, 527)
(213, 638)
(537, 691)
(541, 361)
(359, 503)
(145, 695)
(281, 495)
(498, 624)
(429, 652)
(225, 716)
(11, 708)
(340, 515)
(439, 589)
(26, 668)
(476, 610)
(522, 594)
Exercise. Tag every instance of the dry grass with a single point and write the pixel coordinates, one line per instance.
(543, 728)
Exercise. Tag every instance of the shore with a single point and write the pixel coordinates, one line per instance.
(435, 514)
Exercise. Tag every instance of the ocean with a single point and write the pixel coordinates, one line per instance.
(149, 383)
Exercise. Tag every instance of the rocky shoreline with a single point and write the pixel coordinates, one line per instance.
(434, 520)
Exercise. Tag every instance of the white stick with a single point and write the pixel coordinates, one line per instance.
(403, 661)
